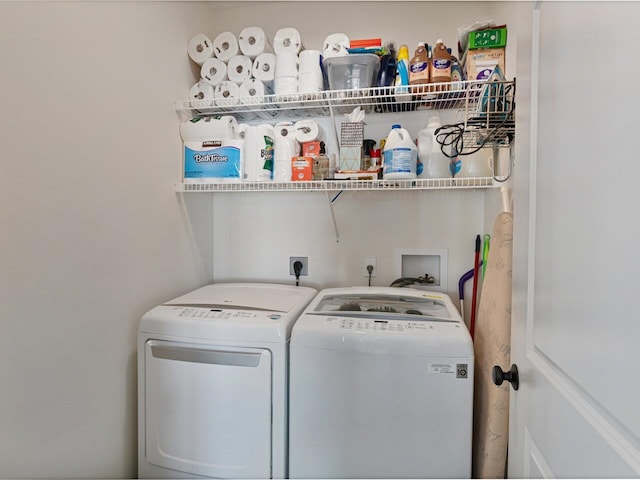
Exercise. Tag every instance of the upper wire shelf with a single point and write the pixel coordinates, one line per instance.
(470, 97)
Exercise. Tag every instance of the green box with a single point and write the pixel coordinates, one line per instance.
(490, 38)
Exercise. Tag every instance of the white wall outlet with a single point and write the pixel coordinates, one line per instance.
(369, 261)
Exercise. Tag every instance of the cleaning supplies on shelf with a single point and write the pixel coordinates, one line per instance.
(419, 68)
(440, 66)
(400, 155)
(435, 164)
(402, 73)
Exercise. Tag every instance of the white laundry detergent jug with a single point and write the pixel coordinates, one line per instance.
(477, 164)
(435, 164)
(400, 155)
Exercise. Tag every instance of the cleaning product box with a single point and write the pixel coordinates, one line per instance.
(480, 63)
(301, 169)
(489, 38)
(212, 150)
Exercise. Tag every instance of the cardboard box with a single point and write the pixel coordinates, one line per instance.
(301, 169)
(480, 63)
(311, 149)
(489, 38)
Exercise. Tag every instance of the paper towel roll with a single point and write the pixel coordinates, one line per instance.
(201, 129)
(213, 71)
(310, 61)
(252, 91)
(201, 95)
(285, 146)
(200, 48)
(258, 153)
(336, 45)
(239, 68)
(310, 82)
(287, 40)
(226, 93)
(285, 85)
(264, 67)
(225, 45)
(253, 41)
(286, 64)
(307, 131)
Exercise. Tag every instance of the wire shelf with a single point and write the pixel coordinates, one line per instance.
(333, 185)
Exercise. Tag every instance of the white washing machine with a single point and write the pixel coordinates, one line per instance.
(212, 382)
(381, 386)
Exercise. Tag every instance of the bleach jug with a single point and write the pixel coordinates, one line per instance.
(434, 163)
(400, 155)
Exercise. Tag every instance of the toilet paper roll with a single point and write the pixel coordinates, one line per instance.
(239, 68)
(258, 153)
(310, 82)
(201, 95)
(200, 48)
(253, 41)
(264, 67)
(285, 85)
(213, 71)
(252, 91)
(226, 93)
(336, 45)
(286, 64)
(225, 46)
(204, 129)
(287, 40)
(242, 129)
(307, 131)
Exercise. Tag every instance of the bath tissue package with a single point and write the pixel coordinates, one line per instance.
(253, 42)
(225, 46)
(200, 48)
(212, 150)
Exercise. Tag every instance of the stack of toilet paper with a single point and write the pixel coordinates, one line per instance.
(242, 69)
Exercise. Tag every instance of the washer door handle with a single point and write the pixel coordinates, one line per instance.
(498, 376)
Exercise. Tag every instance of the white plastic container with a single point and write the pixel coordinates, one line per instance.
(400, 155)
(258, 149)
(478, 164)
(435, 164)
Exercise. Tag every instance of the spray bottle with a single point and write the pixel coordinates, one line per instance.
(402, 77)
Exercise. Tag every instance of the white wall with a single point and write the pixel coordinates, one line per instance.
(92, 233)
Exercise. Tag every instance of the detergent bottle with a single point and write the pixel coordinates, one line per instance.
(400, 155)
(440, 66)
(419, 68)
(402, 75)
(435, 164)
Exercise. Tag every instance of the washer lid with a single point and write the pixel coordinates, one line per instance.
(245, 296)
(387, 304)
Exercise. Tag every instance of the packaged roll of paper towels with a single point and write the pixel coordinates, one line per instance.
(213, 71)
(253, 41)
(287, 40)
(201, 95)
(258, 153)
(307, 131)
(226, 93)
(264, 67)
(200, 48)
(285, 147)
(336, 45)
(225, 46)
(239, 68)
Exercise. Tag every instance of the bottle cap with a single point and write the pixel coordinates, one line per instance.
(396, 126)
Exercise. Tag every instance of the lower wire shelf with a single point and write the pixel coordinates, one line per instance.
(332, 185)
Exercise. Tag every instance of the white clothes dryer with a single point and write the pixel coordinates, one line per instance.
(212, 382)
(381, 386)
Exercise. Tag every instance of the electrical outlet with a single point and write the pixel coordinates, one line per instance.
(305, 265)
(369, 261)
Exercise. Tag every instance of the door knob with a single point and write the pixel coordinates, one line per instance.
(499, 376)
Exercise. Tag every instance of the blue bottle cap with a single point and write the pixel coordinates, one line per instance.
(396, 126)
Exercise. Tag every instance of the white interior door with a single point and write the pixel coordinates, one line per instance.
(208, 409)
(576, 229)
